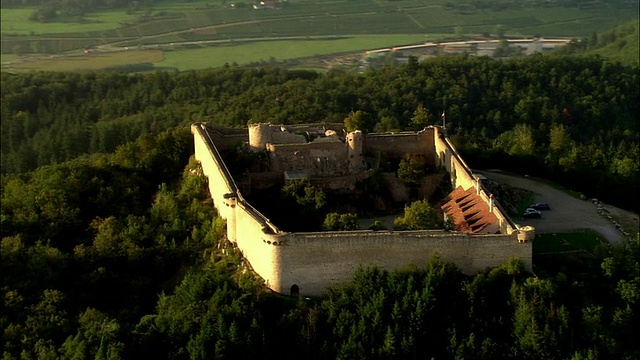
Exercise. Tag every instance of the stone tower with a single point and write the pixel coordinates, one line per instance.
(354, 146)
(526, 234)
(259, 136)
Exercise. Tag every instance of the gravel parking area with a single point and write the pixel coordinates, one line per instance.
(569, 213)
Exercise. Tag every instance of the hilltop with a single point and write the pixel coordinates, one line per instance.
(619, 44)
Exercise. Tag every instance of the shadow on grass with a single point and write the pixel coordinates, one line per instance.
(140, 67)
(585, 241)
(572, 254)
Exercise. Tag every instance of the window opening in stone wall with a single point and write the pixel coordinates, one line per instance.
(295, 290)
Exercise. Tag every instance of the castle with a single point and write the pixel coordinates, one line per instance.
(308, 263)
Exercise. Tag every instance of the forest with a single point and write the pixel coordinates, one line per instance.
(111, 247)
(120, 256)
(572, 120)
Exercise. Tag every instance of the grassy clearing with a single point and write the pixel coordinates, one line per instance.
(8, 57)
(89, 62)
(574, 241)
(167, 5)
(277, 50)
(215, 56)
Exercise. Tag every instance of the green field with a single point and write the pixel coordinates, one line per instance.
(16, 22)
(169, 26)
(125, 60)
(276, 50)
(8, 57)
(574, 241)
(202, 57)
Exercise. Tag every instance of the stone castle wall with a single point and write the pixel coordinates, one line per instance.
(314, 262)
(397, 145)
(261, 134)
(226, 138)
(446, 155)
(315, 158)
(221, 184)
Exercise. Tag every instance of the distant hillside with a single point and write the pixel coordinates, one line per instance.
(620, 44)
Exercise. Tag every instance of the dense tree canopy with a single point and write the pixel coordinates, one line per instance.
(111, 249)
(109, 257)
(53, 117)
(87, 245)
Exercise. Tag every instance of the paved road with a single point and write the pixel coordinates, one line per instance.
(567, 212)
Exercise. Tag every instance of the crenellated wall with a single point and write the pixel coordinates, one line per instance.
(314, 262)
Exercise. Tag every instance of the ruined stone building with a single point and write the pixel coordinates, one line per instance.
(308, 263)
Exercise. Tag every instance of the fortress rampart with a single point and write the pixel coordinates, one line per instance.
(309, 263)
(398, 144)
(262, 134)
(461, 175)
(317, 159)
(226, 138)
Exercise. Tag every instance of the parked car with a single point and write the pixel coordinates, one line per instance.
(532, 210)
(540, 206)
(532, 215)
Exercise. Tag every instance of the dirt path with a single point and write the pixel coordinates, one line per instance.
(567, 212)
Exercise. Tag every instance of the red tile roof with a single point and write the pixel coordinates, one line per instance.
(470, 213)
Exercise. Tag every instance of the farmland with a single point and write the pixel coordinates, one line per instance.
(198, 34)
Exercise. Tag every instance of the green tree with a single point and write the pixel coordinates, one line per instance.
(411, 170)
(97, 338)
(387, 123)
(377, 225)
(421, 118)
(523, 138)
(420, 215)
(560, 143)
(357, 120)
(518, 141)
(305, 194)
(340, 222)
(301, 206)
